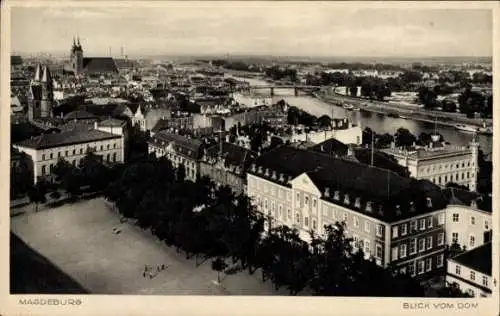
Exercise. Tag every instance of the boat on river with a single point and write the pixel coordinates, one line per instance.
(466, 128)
(348, 107)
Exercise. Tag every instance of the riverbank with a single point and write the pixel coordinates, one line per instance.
(441, 118)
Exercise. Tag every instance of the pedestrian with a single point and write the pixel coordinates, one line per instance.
(162, 267)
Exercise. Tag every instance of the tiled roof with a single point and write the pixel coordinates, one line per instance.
(393, 197)
(79, 114)
(112, 122)
(75, 126)
(189, 147)
(99, 65)
(65, 138)
(458, 196)
(478, 259)
(160, 125)
(234, 155)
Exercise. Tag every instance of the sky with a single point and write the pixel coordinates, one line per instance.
(282, 29)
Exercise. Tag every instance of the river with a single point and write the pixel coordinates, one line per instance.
(377, 122)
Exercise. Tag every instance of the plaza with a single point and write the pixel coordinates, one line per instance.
(78, 238)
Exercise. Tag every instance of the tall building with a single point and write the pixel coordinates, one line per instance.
(440, 163)
(78, 64)
(42, 94)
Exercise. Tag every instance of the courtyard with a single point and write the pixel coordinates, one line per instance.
(78, 238)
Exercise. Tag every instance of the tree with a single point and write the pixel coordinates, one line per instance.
(452, 290)
(180, 173)
(404, 138)
(62, 168)
(427, 97)
(219, 265)
(324, 121)
(449, 106)
(37, 194)
(21, 174)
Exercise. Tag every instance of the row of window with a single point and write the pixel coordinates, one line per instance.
(471, 241)
(444, 179)
(471, 276)
(68, 153)
(414, 245)
(472, 220)
(446, 167)
(332, 214)
(416, 225)
(422, 266)
(365, 245)
(270, 209)
(75, 162)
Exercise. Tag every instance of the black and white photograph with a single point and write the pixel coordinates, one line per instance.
(283, 149)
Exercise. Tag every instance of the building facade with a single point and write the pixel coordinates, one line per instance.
(441, 163)
(45, 150)
(472, 271)
(401, 223)
(179, 150)
(343, 130)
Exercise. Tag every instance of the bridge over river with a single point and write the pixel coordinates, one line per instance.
(296, 88)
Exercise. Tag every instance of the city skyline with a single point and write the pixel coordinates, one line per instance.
(320, 30)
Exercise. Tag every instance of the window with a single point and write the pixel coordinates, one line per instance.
(314, 203)
(314, 224)
(421, 245)
(411, 268)
(380, 230)
(454, 238)
(473, 275)
(43, 156)
(58, 154)
(43, 170)
(413, 226)
(289, 213)
(441, 219)
(265, 204)
(428, 242)
(298, 197)
(486, 225)
(368, 250)
(403, 229)
(395, 232)
(306, 221)
(472, 220)
(51, 156)
(457, 270)
(345, 218)
(101, 147)
(355, 240)
(440, 241)
(367, 226)
(114, 156)
(422, 224)
(402, 251)
(485, 280)
(306, 200)
(297, 218)
(455, 217)
(429, 222)
(439, 260)
(107, 147)
(378, 251)
(428, 264)
(394, 253)
(420, 267)
(355, 222)
(114, 145)
(280, 210)
(472, 241)
(413, 246)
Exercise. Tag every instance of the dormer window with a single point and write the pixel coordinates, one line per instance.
(327, 192)
(473, 204)
(274, 176)
(267, 172)
(398, 210)
(260, 169)
(282, 177)
(254, 167)
(369, 206)
(357, 202)
(336, 195)
(346, 199)
(412, 207)
(429, 202)
(380, 210)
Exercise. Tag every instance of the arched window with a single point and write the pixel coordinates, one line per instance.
(43, 170)
(114, 156)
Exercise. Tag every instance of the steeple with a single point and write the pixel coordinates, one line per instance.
(78, 45)
(38, 73)
(46, 77)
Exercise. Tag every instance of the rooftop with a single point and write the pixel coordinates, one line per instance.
(478, 259)
(112, 122)
(437, 150)
(381, 193)
(65, 138)
(234, 155)
(185, 145)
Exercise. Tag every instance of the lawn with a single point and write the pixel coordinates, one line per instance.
(78, 238)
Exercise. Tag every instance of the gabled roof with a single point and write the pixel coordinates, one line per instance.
(478, 259)
(99, 65)
(234, 155)
(189, 147)
(65, 138)
(112, 122)
(398, 197)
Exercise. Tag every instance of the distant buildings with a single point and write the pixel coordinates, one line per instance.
(440, 163)
(252, 100)
(89, 65)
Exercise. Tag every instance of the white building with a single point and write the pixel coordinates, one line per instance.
(342, 130)
(440, 163)
(252, 100)
(45, 150)
(472, 271)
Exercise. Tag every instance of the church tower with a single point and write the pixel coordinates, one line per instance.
(47, 97)
(76, 57)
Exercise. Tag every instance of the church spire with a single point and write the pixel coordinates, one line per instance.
(38, 72)
(78, 42)
(46, 77)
